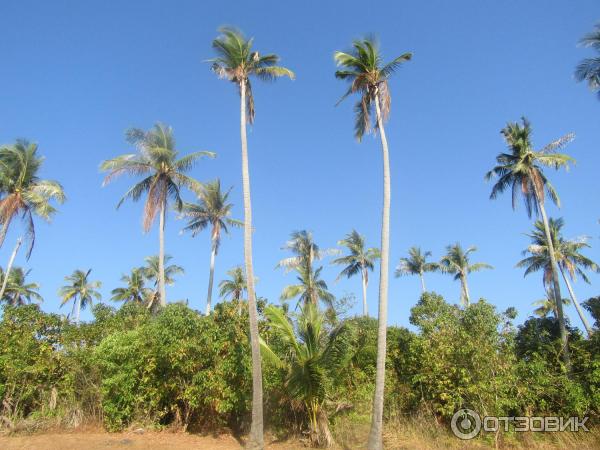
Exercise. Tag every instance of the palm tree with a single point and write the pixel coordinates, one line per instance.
(359, 260)
(310, 288)
(235, 286)
(236, 62)
(416, 264)
(312, 357)
(456, 262)
(363, 67)
(521, 170)
(80, 290)
(24, 194)
(568, 257)
(546, 305)
(152, 272)
(18, 291)
(588, 70)
(134, 289)
(164, 176)
(212, 210)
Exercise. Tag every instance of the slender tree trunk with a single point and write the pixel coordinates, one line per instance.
(213, 252)
(256, 439)
(364, 288)
(9, 266)
(586, 324)
(465, 288)
(376, 434)
(77, 310)
(161, 256)
(423, 283)
(556, 285)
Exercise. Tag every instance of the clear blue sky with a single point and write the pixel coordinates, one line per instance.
(75, 75)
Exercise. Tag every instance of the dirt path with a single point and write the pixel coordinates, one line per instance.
(127, 441)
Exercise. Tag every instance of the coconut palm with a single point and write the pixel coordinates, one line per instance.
(588, 70)
(546, 305)
(134, 290)
(157, 160)
(416, 264)
(80, 290)
(18, 291)
(310, 288)
(521, 170)
(234, 287)
(568, 257)
(236, 62)
(24, 194)
(456, 262)
(212, 210)
(152, 272)
(312, 357)
(358, 260)
(363, 67)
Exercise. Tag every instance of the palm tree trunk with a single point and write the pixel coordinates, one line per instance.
(213, 252)
(465, 288)
(586, 324)
(77, 310)
(556, 285)
(161, 256)
(256, 439)
(364, 288)
(376, 434)
(9, 266)
(423, 283)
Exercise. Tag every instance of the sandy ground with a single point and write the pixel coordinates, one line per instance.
(127, 441)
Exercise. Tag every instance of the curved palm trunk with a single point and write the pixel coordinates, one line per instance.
(556, 285)
(256, 439)
(465, 289)
(213, 252)
(376, 434)
(423, 282)
(161, 256)
(9, 266)
(365, 282)
(586, 324)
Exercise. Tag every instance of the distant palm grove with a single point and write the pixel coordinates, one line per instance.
(299, 366)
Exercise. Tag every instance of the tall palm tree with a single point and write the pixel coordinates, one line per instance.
(312, 357)
(80, 290)
(416, 264)
(157, 160)
(363, 67)
(236, 62)
(588, 70)
(24, 194)
(134, 290)
(456, 262)
(358, 260)
(18, 291)
(212, 210)
(521, 171)
(546, 305)
(152, 271)
(568, 257)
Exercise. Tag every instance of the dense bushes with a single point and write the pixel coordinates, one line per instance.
(128, 367)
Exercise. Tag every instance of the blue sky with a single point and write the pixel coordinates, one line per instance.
(75, 75)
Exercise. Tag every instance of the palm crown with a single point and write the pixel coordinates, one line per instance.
(80, 287)
(237, 62)
(363, 67)
(24, 193)
(416, 263)
(359, 258)
(521, 170)
(158, 161)
(134, 289)
(18, 291)
(151, 271)
(235, 286)
(588, 70)
(456, 262)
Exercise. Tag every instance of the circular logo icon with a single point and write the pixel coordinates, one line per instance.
(465, 424)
